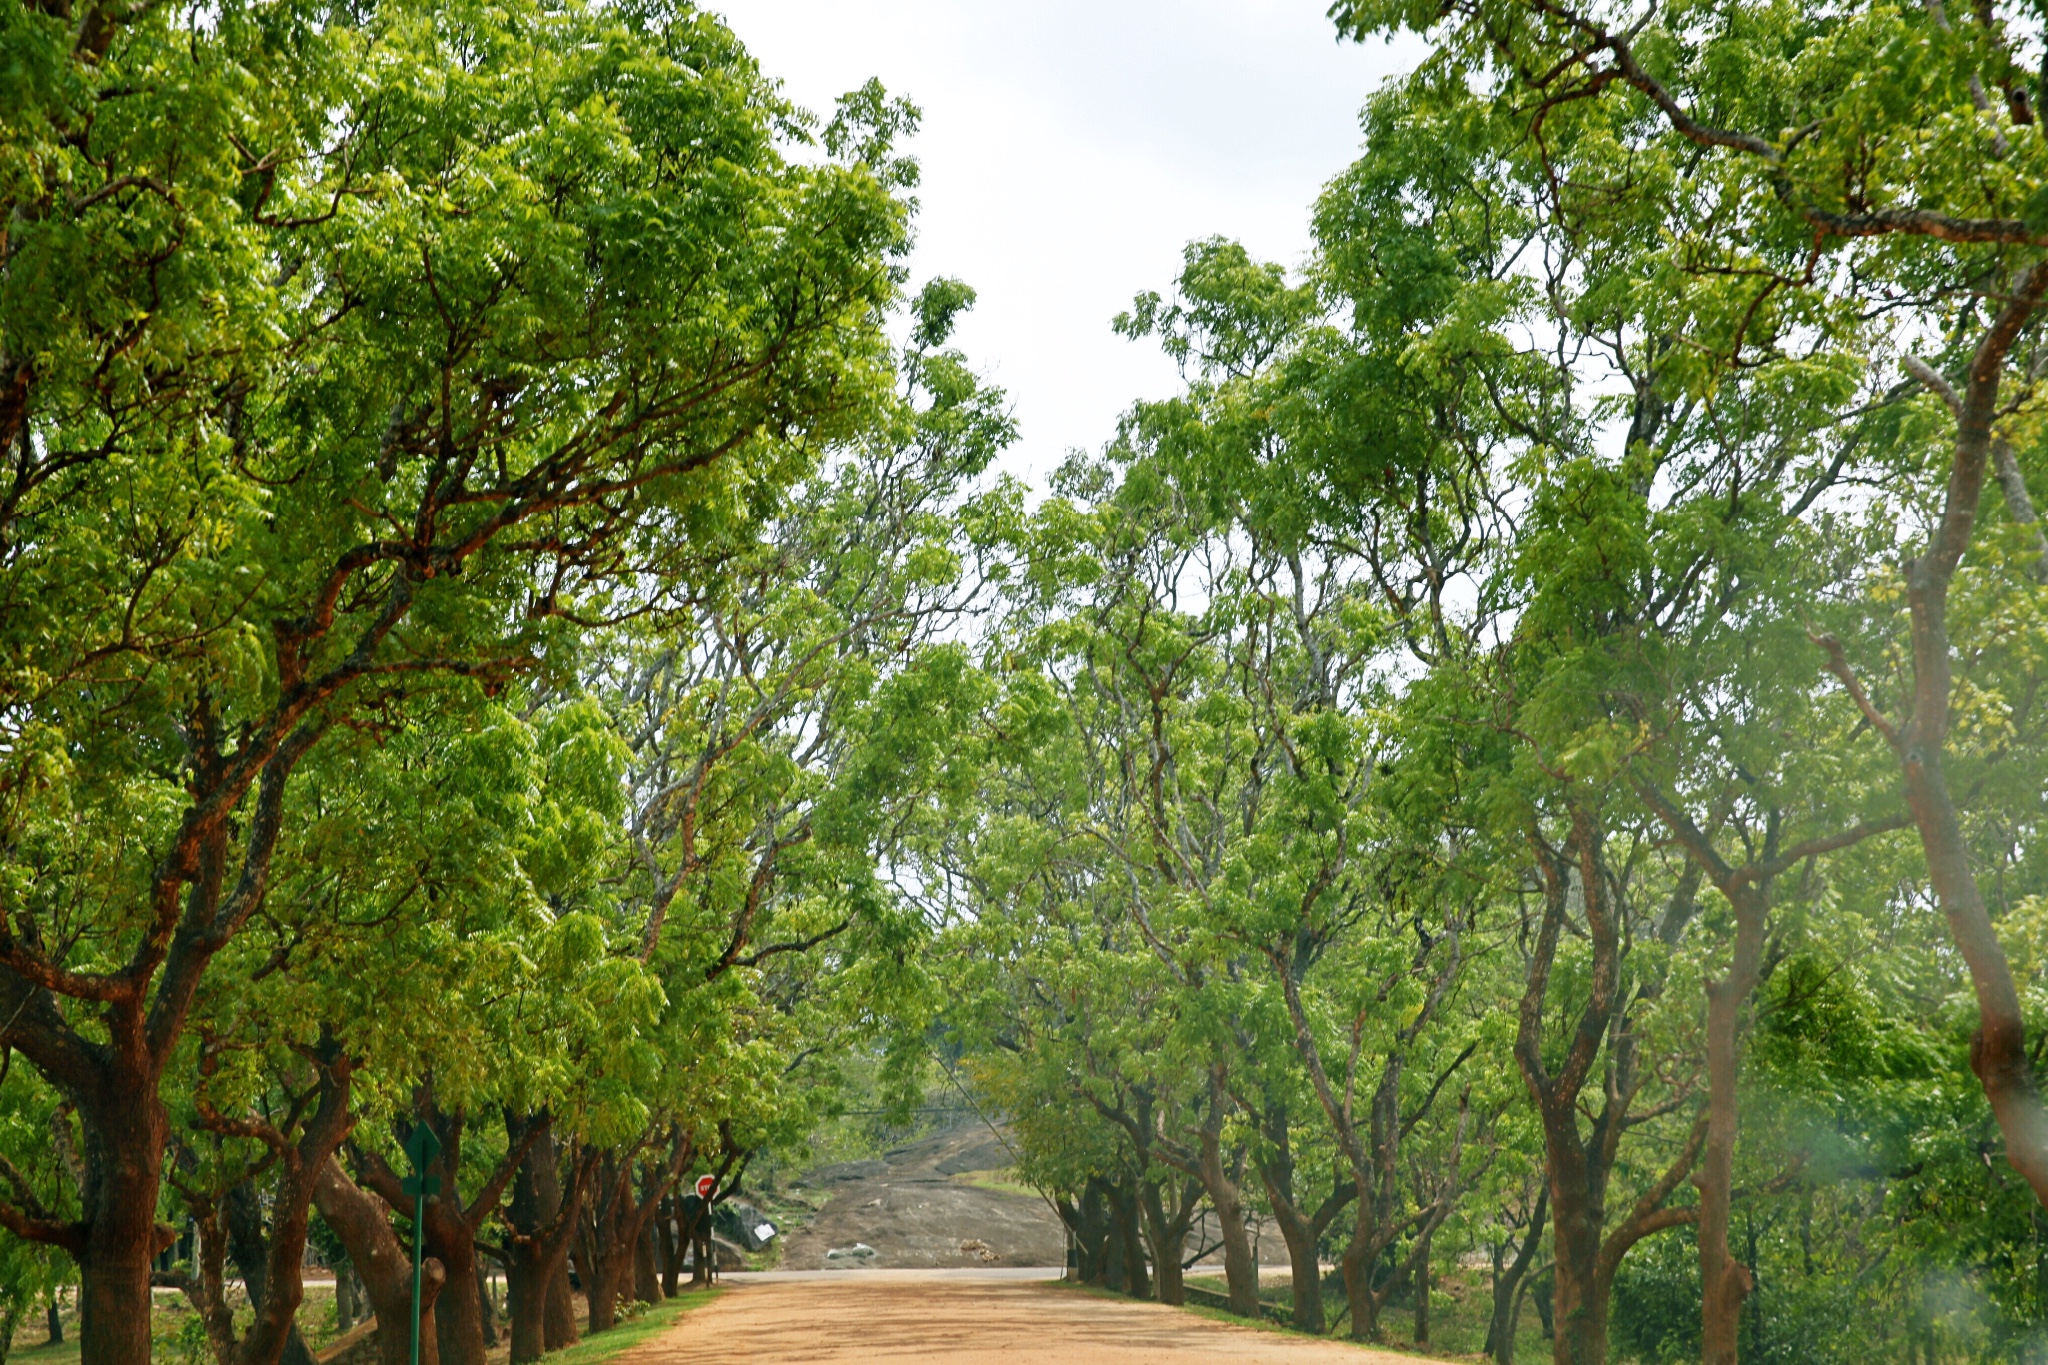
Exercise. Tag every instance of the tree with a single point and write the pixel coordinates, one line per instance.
(1951, 234)
(341, 419)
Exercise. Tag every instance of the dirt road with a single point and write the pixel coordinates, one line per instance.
(963, 1317)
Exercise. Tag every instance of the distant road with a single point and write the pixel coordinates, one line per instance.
(998, 1316)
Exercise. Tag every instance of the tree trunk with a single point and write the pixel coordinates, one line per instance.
(1359, 1263)
(451, 1227)
(558, 1313)
(384, 1265)
(616, 1231)
(1422, 1284)
(543, 1221)
(1131, 1233)
(558, 1309)
(1101, 1197)
(1578, 1209)
(1168, 1234)
(1500, 1328)
(1277, 1174)
(125, 1136)
(54, 1320)
(1724, 1281)
(249, 1249)
(692, 1220)
(1579, 1164)
(668, 1246)
(1998, 1052)
(487, 1310)
(1240, 1266)
(526, 1303)
(706, 1254)
(646, 1283)
(601, 1292)
(344, 1296)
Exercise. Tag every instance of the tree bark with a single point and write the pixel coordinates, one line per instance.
(452, 1227)
(646, 1282)
(611, 1233)
(1276, 1173)
(1998, 1052)
(558, 1312)
(1130, 1230)
(1240, 1266)
(489, 1308)
(666, 1244)
(1302, 1231)
(345, 1309)
(1167, 1230)
(250, 1250)
(384, 1265)
(1500, 1327)
(231, 1222)
(1725, 1282)
(543, 1222)
(1580, 1164)
(1422, 1284)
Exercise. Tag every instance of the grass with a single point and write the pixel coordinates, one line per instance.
(625, 1336)
(993, 1180)
(1459, 1309)
(173, 1323)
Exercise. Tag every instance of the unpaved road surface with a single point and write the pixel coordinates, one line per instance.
(879, 1317)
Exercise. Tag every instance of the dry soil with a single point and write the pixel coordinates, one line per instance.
(927, 1205)
(877, 1317)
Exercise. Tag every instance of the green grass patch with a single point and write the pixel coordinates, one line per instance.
(625, 1336)
(994, 1180)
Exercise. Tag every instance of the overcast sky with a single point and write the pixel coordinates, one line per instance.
(1071, 147)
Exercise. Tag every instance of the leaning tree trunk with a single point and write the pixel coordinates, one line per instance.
(249, 1248)
(384, 1266)
(1277, 1173)
(1240, 1266)
(1998, 1052)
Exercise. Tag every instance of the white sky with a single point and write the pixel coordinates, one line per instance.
(1070, 148)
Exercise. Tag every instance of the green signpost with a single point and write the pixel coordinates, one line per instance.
(421, 1146)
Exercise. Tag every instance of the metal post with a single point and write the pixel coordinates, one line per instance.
(419, 1225)
(422, 1147)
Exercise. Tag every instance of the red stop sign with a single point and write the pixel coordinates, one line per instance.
(705, 1185)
